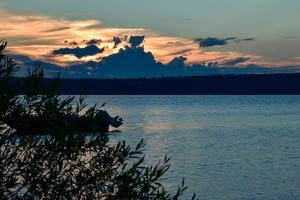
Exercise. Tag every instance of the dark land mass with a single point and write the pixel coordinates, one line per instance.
(256, 84)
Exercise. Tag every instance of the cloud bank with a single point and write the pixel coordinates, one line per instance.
(135, 62)
(211, 42)
(85, 48)
(89, 50)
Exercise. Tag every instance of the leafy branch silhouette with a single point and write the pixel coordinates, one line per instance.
(45, 152)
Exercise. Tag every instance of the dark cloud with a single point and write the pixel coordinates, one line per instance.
(211, 42)
(72, 43)
(130, 62)
(236, 61)
(93, 42)
(86, 42)
(180, 52)
(135, 41)
(248, 39)
(116, 41)
(178, 61)
(244, 40)
(78, 51)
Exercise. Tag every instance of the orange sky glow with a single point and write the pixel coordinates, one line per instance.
(37, 36)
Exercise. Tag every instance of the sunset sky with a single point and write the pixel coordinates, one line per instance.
(118, 38)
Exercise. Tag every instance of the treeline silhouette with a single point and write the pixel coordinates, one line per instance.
(256, 84)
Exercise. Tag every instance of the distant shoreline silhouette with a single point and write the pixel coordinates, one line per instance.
(255, 84)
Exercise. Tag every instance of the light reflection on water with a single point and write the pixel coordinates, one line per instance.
(227, 147)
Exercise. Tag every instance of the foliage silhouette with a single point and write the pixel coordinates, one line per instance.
(41, 111)
(61, 165)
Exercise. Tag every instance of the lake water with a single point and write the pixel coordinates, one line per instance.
(226, 147)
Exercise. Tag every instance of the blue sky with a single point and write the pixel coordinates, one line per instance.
(273, 25)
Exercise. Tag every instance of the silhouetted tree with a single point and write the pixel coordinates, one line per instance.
(61, 165)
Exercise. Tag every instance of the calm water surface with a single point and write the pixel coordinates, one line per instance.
(226, 147)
